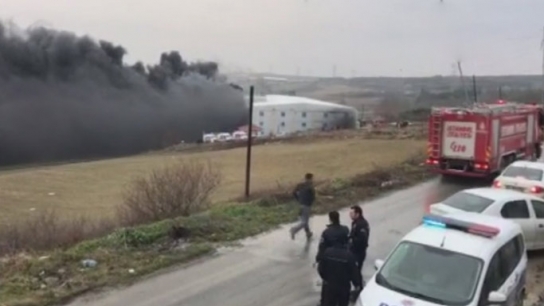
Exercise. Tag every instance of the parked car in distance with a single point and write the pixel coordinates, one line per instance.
(208, 138)
(223, 137)
(524, 209)
(524, 176)
(239, 135)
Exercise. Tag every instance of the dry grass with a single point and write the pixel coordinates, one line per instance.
(35, 280)
(95, 188)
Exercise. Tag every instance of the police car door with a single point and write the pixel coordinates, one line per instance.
(518, 211)
(506, 273)
(514, 265)
(538, 208)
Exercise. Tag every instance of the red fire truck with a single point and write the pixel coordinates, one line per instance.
(483, 139)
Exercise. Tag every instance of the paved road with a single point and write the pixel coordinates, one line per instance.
(272, 270)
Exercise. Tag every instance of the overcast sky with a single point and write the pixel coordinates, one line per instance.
(358, 37)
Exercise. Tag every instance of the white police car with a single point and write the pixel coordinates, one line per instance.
(523, 176)
(522, 208)
(459, 259)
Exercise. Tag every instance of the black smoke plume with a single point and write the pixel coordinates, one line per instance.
(68, 97)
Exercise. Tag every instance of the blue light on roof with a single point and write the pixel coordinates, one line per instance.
(437, 221)
(433, 223)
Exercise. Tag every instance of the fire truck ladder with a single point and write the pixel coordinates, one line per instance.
(436, 132)
(480, 108)
(496, 108)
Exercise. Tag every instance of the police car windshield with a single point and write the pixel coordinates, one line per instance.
(431, 274)
(527, 173)
(468, 202)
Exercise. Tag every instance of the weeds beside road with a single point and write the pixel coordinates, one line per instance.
(44, 277)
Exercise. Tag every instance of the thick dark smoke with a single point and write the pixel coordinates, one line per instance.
(69, 97)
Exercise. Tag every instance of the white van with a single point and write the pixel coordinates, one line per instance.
(462, 259)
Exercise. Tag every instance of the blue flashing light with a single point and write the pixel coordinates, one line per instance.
(433, 223)
(468, 227)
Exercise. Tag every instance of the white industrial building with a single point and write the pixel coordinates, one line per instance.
(280, 115)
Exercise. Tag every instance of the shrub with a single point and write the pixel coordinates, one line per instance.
(177, 190)
(269, 197)
(45, 230)
(375, 178)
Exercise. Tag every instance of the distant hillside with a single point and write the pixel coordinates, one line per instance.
(272, 83)
(387, 96)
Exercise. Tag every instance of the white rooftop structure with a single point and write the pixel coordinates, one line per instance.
(277, 114)
(290, 100)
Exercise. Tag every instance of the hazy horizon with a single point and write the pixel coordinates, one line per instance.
(311, 37)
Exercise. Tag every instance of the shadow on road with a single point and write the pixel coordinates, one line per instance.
(467, 182)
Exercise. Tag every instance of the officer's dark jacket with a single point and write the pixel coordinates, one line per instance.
(304, 193)
(358, 236)
(333, 234)
(338, 268)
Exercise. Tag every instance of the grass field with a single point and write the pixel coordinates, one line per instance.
(94, 188)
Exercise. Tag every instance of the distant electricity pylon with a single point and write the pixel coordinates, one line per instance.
(462, 80)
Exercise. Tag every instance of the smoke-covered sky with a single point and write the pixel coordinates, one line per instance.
(359, 37)
(64, 96)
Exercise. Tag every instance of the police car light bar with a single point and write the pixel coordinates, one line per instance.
(468, 227)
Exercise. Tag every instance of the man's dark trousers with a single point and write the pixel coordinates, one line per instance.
(335, 295)
(360, 260)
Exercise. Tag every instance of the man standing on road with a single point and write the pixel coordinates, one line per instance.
(336, 264)
(334, 232)
(358, 237)
(304, 193)
(331, 235)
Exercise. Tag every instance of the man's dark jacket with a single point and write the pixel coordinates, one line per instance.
(333, 234)
(358, 236)
(337, 268)
(304, 193)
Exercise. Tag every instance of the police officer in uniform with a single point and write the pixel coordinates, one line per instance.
(336, 264)
(358, 237)
(334, 232)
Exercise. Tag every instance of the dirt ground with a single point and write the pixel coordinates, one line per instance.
(94, 188)
(535, 280)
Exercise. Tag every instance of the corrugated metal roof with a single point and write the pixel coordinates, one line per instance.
(291, 100)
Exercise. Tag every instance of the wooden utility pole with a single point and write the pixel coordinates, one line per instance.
(249, 140)
(474, 89)
(542, 48)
